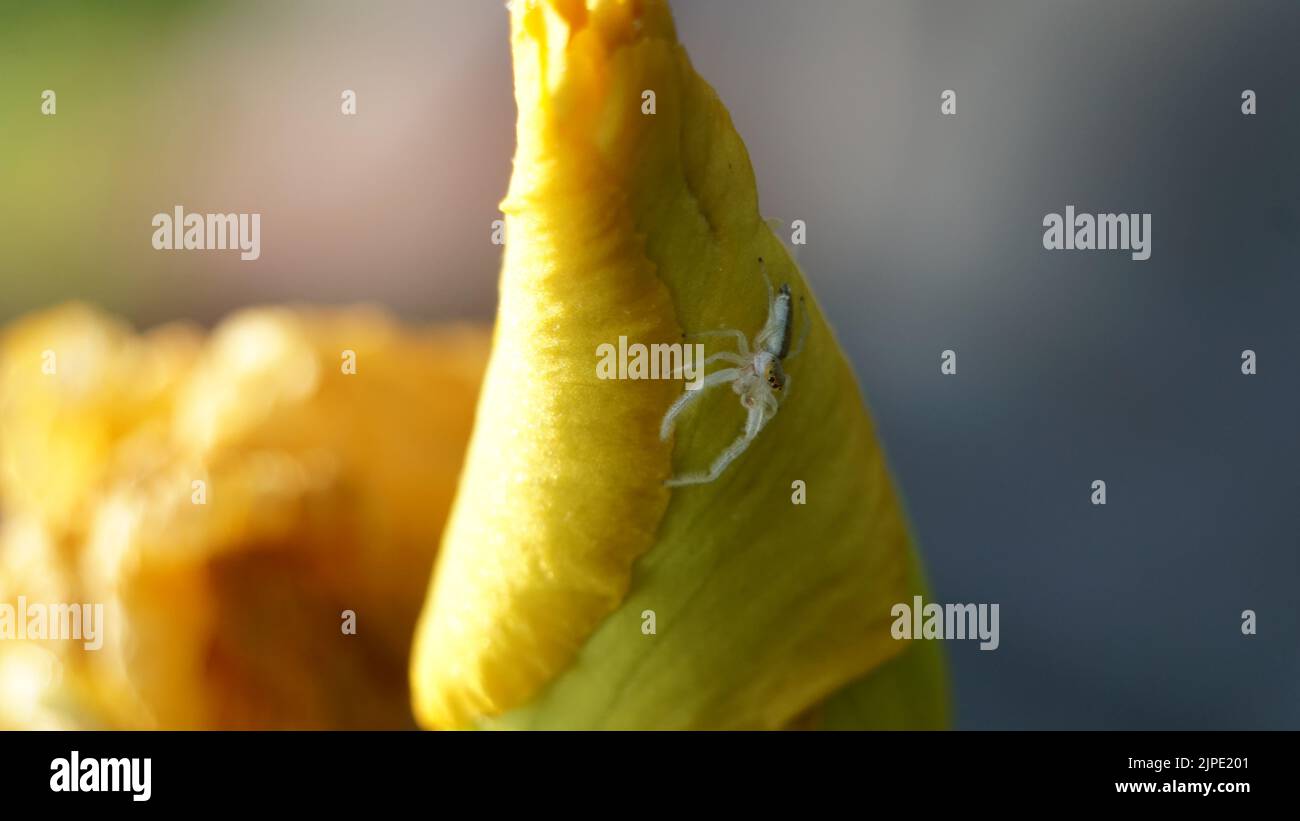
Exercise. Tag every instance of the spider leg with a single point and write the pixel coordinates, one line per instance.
(716, 378)
(757, 418)
(807, 326)
(741, 342)
(725, 356)
(769, 405)
(754, 424)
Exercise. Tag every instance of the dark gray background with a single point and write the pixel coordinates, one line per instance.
(925, 234)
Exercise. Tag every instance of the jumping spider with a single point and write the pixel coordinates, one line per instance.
(757, 377)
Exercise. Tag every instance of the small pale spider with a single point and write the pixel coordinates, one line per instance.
(757, 377)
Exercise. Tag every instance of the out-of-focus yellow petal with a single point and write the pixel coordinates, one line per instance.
(624, 223)
(75, 384)
(324, 488)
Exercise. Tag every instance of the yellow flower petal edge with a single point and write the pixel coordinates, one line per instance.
(646, 225)
(908, 692)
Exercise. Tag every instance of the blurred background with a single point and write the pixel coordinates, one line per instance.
(924, 234)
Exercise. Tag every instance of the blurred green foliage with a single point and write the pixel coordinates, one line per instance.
(64, 177)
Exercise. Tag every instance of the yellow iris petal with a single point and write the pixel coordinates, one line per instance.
(622, 222)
